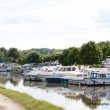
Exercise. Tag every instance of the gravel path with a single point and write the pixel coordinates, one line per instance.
(8, 104)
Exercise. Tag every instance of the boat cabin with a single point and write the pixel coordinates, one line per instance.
(67, 68)
(106, 62)
(99, 75)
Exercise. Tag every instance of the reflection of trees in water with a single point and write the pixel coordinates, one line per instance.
(13, 78)
(15, 83)
(91, 103)
(3, 80)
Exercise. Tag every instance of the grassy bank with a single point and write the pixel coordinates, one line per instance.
(27, 102)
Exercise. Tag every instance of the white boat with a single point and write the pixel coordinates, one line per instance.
(7, 67)
(106, 62)
(31, 75)
(26, 68)
(17, 69)
(77, 80)
(98, 78)
(67, 74)
(38, 73)
(66, 70)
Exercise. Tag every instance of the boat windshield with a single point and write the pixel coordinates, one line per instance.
(93, 75)
(102, 75)
(67, 69)
(109, 75)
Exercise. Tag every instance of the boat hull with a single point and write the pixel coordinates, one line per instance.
(97, 82)
(56, 80)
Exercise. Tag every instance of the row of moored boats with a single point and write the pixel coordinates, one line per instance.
(69, 74)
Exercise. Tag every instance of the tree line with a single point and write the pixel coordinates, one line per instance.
(88, 54)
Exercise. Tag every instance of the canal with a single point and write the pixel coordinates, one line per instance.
(69, 97)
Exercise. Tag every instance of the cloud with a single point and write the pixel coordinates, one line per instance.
(28, 18)
(53, 23)
(103, 19)
(7, 3)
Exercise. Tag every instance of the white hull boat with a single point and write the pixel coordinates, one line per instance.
(97, 79)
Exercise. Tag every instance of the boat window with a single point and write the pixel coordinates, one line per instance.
(59, 69)
(79, 75)
(102, 94)
(68, 69)
(94, 75)
(64, 69)
(85, 74)
(102, 75)
(109, 75)
(73, 69)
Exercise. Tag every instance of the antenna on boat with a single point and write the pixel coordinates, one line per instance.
(75, 63)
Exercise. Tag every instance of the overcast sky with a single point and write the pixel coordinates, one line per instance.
(26, 24)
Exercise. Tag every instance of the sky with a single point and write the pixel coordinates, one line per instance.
(26, 24)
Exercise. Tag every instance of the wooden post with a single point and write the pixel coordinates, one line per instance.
(104, 83)
(94, 83)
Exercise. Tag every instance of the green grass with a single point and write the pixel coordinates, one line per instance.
(27, 102)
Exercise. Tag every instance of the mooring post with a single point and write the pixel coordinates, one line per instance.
(104, 83)
(94, 83)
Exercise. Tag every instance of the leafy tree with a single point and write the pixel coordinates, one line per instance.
(73, 56)
(63, 59)
(55, 56)
(105, 46)
(10, 59)
(47, 58)
(34, 57)
(91, 53)
(14, 53)
(46, 51)
(5, 52)
(24, 53)
(1, 56)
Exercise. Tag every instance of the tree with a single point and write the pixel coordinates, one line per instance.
(47, 58)
(14, 53)
(73, 56)
(63, 58)
(1, 56)
(5, 52)
(55, 56)
(105, 46)
(91, 53)
(34, 57)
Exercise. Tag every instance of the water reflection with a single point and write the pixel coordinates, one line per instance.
(13, 78)
(69, 97)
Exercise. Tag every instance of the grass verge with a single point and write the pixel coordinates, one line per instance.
(27, 102)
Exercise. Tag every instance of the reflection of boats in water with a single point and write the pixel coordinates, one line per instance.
(64, 89)
(16, 77)
(91, 103)
(71, 90)
(13, 78)
(5, 75)
(33, 83)
(98, 92)
(44, 85)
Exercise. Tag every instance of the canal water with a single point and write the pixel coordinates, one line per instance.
(69, 97)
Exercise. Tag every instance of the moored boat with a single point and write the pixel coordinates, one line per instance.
(56, 80)
(97, 79)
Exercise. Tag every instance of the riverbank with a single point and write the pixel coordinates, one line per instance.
(8, 104)
(27, 102)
